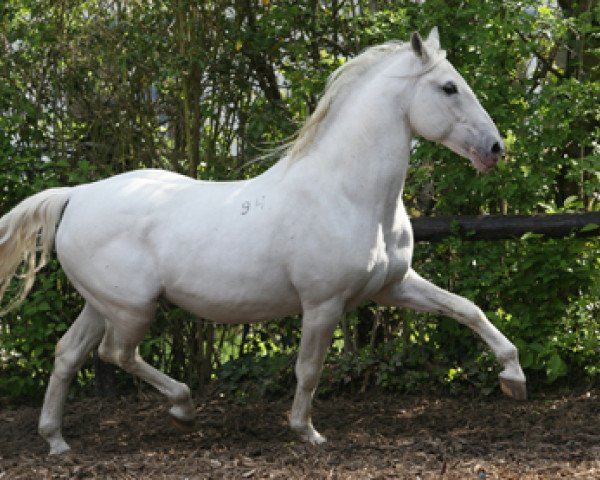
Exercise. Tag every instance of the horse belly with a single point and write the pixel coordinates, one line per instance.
(237, 298)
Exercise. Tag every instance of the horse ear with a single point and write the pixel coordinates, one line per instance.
(418, 46)
(433, 39)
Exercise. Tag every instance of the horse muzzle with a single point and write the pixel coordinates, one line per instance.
(486, 157)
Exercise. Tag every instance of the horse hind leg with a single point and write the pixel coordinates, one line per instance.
(119, 346)
(71, 351)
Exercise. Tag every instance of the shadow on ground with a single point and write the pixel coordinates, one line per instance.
(369, 437)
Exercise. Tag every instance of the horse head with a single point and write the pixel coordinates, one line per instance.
(445, 110)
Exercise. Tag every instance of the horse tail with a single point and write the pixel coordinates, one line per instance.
(26, 239)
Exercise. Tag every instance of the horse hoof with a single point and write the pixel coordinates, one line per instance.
(316, 439)
(513, 388)
(308, 434)
(59, 447)
(184, 426)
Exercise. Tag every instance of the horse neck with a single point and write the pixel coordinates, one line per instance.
(364, 148)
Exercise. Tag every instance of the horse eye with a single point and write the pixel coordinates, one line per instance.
(450, 88)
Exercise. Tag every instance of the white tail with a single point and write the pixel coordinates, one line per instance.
(26, 238)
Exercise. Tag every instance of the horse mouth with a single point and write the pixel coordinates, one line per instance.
(482, 164)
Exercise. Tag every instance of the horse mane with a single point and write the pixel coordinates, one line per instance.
(336, 83)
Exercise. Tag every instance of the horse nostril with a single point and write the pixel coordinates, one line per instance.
(497, 148)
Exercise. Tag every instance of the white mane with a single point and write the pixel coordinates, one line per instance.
(341, 78)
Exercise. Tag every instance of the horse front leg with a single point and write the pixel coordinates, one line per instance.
(419, 294)
(318, 325)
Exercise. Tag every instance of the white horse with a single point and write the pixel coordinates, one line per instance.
(320, 232)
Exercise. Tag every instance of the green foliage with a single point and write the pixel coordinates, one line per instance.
(541, 293)
(257, 376)
(90, 88)
(28, 338)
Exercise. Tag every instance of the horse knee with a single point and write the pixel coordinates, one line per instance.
(509, 354)
(470, 315)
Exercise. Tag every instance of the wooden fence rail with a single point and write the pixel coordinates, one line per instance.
(501, 227)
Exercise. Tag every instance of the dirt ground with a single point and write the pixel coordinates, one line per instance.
(369, 437)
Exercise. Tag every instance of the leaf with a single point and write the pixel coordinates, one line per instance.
(526, 358)
(590, 227)
(556, 367)
(570, 200)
